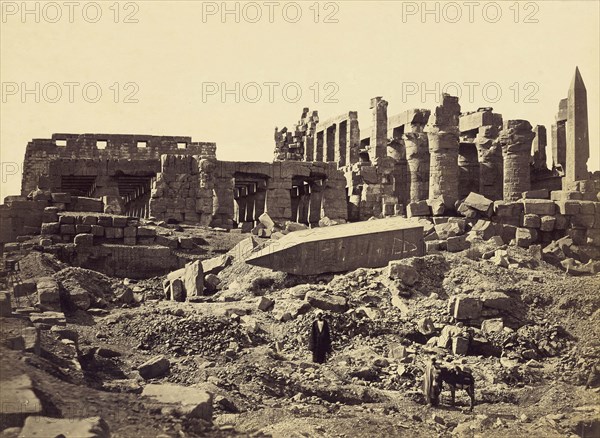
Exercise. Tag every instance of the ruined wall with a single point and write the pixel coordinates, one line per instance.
(40, 153)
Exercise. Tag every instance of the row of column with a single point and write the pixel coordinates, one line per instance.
(338, 142)
(306, 203)
(249, 203)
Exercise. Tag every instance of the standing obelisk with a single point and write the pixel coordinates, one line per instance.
(578, 142)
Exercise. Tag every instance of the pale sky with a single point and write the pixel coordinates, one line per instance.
(172, 53)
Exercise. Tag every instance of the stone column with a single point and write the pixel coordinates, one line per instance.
(309, 148)
(329, 142)
(223, 202)
(378, 146)
(303, 204)
(319, 146)
(417, 158)
(442, 134)
(539, 148)
(316, 198)
(515, 140)
(341, 137)
(578, 142)
(295, 201)
(353, 138)
(250, 201)
(490, 163)
(259, 202)
(468, 169)
(279, 202)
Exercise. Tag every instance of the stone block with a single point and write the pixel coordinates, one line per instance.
(480, 203)
(50, 228)
(130, 241)
(66, 220)
(130, 232)
(496, 300)
(193, 279)
(50, 214)
(324, 301)
(265, 304)
(583, 221)
(187, 402)
(31, 340)
(216, 264)
(562, 222)
(24, 288)
(508, 209)
(539, 206)
(467, 307)
(90, 220)
(64, 198)
(97, 230)
(146, 232)
(211, 283)
(495, 325)
(156, 367)
(532, 221)
(458, 243)
(176, 290)
(92, 427)
(82, 228)
(526, 236)
(547, 223)
(5, 304)
(119, 221)
(84, 240)
(105, 221)
(266, 220)
(536, 194)
(569, 208)
(485, 229)
(420, 208)
(460, 345)
(449, 229)
(403, 272)
(564, 195)
(18, 404)
(48, 292)
(67, 229)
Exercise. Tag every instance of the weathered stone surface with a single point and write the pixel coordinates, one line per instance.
(467, 307)
(496, 300)
(92, 427)
(5, 304)
(532, 221)
(266, 220)
(458, 243)
(324, 301)
(155, 367)
(211, 283)
(216, 264)
(265, 304)
(193, 279)
(526, 236)
(404, 272)
(191, 402)
(84, 240)
(539, 206)
(460, 345)
(577, 136)
(495, 325)
(480, 203)
(17, 402)
(48, 292)
(449, 229)
(515, 139)
(536, 194)
(419, 208)
(548, 223)
(50, 318)
(64, 198)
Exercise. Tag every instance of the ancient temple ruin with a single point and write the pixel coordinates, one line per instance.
(416, 162)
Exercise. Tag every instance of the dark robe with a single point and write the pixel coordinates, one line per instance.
(320, 342)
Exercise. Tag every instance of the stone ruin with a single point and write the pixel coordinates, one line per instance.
(419, 162)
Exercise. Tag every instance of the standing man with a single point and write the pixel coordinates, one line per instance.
(320, 339)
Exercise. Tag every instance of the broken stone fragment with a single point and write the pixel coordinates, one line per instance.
(188, 401)
(495, 325)
(92, 427)
(155, 367)
(216, 264)
(211, 283)
(324, 301)
(479, 203)
(265, 304)
(403, 272)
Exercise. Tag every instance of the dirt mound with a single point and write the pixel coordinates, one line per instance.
(83, 288)
(38, 264)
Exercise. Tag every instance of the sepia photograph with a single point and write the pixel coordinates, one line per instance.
(286, 219)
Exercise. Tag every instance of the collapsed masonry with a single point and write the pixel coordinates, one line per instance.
(413, 163)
